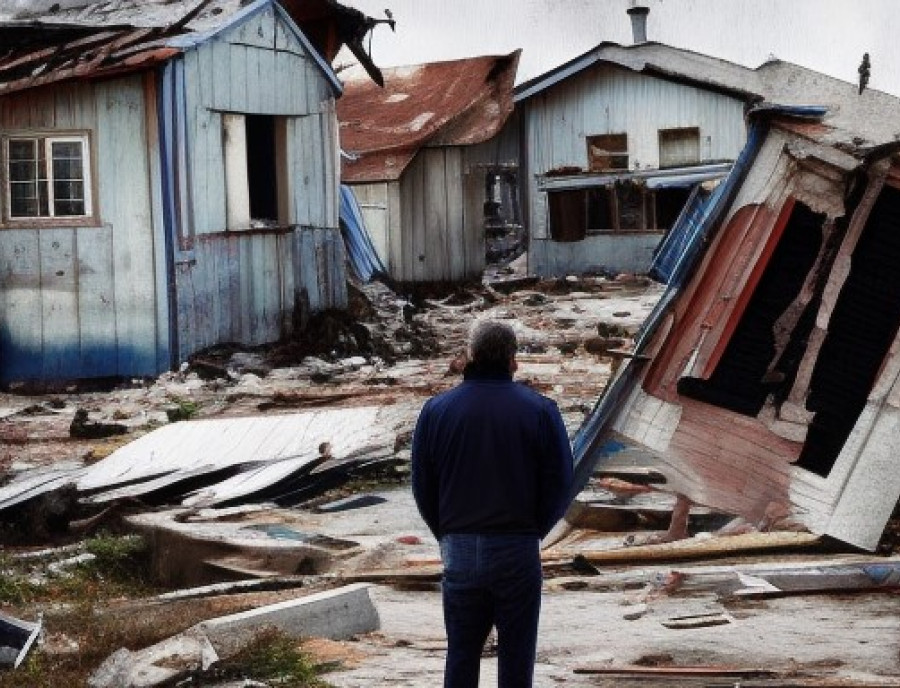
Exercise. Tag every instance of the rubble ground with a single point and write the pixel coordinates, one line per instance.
(393, 351)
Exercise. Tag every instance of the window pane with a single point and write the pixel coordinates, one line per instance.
(68, 208)
(23, 199)
(68, 191)
(66, 149)
(66, 168)
(21, 149)
(22, 171)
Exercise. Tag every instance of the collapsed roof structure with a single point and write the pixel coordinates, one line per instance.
(766, 383)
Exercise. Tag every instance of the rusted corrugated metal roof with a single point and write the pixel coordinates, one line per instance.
(458, 102)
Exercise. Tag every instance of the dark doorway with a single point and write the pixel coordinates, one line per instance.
(262, 169)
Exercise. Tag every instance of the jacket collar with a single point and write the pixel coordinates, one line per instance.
(481, 371)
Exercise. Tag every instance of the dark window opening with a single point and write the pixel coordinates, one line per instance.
(504, 234)
(740, 382)
(601, 209)
(607, 152)
(669, 204)
(262, 169)
(863, 325)
(630, 202)
(567, 215)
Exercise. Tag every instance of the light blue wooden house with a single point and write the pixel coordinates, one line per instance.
(165, 189)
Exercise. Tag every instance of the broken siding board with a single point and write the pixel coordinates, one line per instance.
(872, 488)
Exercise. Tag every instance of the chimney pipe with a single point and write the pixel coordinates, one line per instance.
(638, 16)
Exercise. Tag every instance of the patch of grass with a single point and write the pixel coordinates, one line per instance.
(184, 409)
(274, 658)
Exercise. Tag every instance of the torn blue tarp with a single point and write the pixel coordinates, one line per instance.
(674, 264)
(364, 258)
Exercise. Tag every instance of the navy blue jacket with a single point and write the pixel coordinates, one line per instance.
(491, 456)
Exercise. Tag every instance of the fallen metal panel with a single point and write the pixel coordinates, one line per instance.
(268, 449)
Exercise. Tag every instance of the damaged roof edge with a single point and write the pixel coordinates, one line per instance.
(190, 41)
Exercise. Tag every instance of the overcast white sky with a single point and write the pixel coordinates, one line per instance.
(827, 35)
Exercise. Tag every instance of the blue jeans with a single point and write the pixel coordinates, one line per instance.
(491, 580)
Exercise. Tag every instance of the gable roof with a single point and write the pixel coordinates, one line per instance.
(655, 59)
(871, 115)
(452, 103)
(120, 36)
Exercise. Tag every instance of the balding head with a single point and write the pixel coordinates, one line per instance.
(492, 343)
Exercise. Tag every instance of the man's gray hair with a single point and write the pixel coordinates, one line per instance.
(492, 343)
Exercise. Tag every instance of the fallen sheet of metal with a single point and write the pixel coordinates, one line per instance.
(16, 639)
(261, 451)
(34, 483)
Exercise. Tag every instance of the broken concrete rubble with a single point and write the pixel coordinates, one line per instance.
(337, 614)
(372, 534)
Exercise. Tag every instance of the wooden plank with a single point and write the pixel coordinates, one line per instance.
(436, 235)
(160, 258)
(695, 548)
(673, 671)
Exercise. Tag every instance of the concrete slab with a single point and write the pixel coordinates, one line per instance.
(336, 614)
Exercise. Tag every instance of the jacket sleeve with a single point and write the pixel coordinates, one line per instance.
(556, 471)
(424, 475)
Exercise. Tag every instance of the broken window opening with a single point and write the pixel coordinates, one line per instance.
(625, 206)
(567, 215)
(863, 326)
(504, 234)
(742, 379)
(607, 152)
(668, 204)
(679, 147)
(255, 170)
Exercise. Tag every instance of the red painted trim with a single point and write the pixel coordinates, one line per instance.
(752, 282)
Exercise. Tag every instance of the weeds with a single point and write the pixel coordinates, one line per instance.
(275, 658)
(184, 409)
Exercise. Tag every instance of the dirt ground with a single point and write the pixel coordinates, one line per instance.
(397, 350)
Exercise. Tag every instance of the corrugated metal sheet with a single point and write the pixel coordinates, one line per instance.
(360, 250)
(459, 102)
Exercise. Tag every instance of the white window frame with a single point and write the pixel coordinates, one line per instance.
(47, 139)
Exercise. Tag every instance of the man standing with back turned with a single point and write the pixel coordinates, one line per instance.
(491, 473)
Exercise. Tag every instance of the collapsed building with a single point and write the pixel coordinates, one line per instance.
(766, 383)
